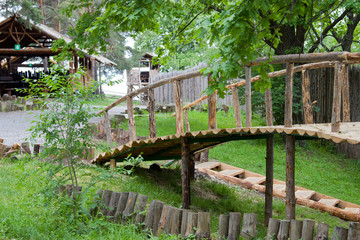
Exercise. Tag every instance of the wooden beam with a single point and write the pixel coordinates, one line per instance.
(248, 96)
(268, 107)
(153, 85)
(185, 174)
(28, 52)
(269, 178)
(178, 108)
(152, 120)
(336, 107)
(288, 94)
(345, 94)
(131, 119)
(290, 177)
(307, 106)
(236, 104)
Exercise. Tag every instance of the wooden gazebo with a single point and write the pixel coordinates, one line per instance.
(29, 45)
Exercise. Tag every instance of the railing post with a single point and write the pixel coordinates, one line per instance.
(289, 94)
(269, 177)
(248, 96)
(178, 108)
(187, 123)
(307, 108)
(151, 107)
(212, 108)
(107, 127)
(131, 120)
(345, 94)
(336, 107)
(268, 106)
(237, 111)
(290, 177)
(185, 173)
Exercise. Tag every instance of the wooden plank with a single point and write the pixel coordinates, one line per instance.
(178, 108)
(248, 96)
(236, 104)
(269, 178)
(307, 107)
(290, 177)
(268, 107)
(289, 94)
(131, 119)
(185, 175)
(336, 106)
(151, 108)
(346, 94)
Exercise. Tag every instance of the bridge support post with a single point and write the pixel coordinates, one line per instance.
(179, 108)
(107, 128)
(336, 107)
(185, 172)
(131, 120)
(289, 94)
(290, 177)
(236, 103)
(248, 96)
(152, 121)
(269, 178)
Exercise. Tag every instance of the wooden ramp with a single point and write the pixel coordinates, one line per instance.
(169, 147)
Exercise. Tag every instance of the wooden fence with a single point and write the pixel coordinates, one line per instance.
(192, 88)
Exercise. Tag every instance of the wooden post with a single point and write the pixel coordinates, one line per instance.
(248, 96)
(296, 229)
(114, 200)
(185, 175)
(307, 107)
(248, 230)
(153, 216)
(268, 106)
(336, 107)
(184, 220)
(289, 94)
(284, 230)
(187, 123)
(340, 233)
(322, 232)
(121, 206)
(178, 108)
(237, 111)
(107, 127)
(105, 199)
(290, 177)
(129, 208)
(212, 111)
(354, 231)
(46, 63)
(269, 178)
(191, 223)
(223, 226)
(131, 120)
(273, 228)
(152, 120)
(139, 208)
(112, 164)
(345, 94)
(234, 225)
(203, 226)
(308, 229)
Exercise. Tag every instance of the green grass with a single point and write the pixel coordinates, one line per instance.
(107, 100)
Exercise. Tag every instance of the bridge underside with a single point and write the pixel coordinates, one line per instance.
(169, 147)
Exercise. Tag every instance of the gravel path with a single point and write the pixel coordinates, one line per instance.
(14, 125)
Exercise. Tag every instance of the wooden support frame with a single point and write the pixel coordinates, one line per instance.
(290, 177)
(107, 127)
(131, 120)
(269, 178)
(187, 122)
(236, 104)
(152, 119)
(248, 96)
(268, 107)
(289, 94)
(336, 107)
(185, 173)
(179, 108)
(346, 94)
(307, 106)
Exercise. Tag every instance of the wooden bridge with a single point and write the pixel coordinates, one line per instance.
(184, 144)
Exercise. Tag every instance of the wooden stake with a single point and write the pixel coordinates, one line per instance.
(187, 123)
(185, 175)
(129, 208)
(153, 216)
(269, 178)
(178, 108)
(121, 206)
(307, 107)
(322, 232)
(152, 120)
(248, 230)
(284, 230)
(289, 94)
(340, 233)
(203, 226)
(234, 225)
(308, 229)
(248, 96)
(336, 107)
(237, 111)
(268, 106)
(290, 177)
(345, 94)
(107, 128)
(131, 120)
(296, 229)
(223, 226)
(191, 224)
(354, 231)
(112, 164)
(273, 228)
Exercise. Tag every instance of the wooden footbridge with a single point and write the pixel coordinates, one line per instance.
(184, 144)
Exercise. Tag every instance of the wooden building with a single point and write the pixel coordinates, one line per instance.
(28, 46)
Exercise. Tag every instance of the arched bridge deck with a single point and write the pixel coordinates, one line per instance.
(169, 147)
